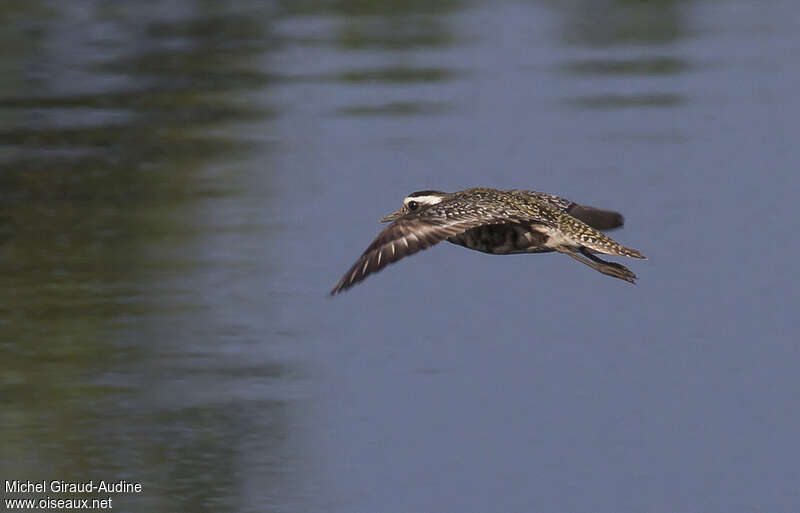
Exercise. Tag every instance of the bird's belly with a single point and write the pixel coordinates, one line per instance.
(504, 239)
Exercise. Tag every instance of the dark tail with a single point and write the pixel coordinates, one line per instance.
(596, 218)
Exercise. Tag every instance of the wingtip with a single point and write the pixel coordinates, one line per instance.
(340, 287)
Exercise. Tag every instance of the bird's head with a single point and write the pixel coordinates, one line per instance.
(415, 202)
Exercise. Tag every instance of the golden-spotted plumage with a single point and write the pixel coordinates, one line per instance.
(496, 222)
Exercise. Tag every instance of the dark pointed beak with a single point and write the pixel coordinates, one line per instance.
(392, 216)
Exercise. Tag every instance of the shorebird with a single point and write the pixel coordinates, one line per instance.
(496, 222)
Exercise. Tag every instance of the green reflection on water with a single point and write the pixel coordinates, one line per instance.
(636, 26)
(638, 66)
(618, 22)
(397, 75)
(394, 109)
(101, 156)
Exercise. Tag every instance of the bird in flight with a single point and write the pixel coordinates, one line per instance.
(497, 222)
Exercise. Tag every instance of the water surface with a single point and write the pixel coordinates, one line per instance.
(182, 183)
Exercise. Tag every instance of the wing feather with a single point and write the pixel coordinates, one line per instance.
(402, 238)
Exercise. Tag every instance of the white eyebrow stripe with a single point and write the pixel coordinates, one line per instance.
(424, 200)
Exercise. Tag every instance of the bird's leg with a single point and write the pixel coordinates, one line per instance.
(608, 268)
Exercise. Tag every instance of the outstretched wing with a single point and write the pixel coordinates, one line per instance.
(402, 238)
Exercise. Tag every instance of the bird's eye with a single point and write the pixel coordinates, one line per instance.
(412, 205)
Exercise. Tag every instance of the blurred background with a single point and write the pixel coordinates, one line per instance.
(183, 181)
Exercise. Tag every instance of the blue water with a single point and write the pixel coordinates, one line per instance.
(182, 184)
